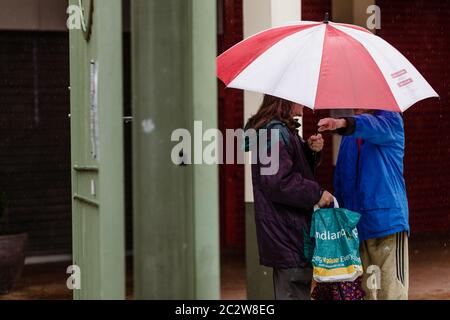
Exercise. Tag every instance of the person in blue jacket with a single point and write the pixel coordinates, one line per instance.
(369, 179)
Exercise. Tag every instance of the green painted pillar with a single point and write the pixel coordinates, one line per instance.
(176, 210)
(96, 150)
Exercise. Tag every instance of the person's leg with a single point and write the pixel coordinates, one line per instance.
(366, 262)
(390, 254)
(292, 284)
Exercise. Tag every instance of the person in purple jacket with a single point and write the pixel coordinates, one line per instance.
(284, 200)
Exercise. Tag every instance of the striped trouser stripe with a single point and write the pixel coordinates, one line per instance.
(400, 257)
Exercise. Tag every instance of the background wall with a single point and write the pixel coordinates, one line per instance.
(231, 115)
(34, 138)
(33, 15)
(419, 29)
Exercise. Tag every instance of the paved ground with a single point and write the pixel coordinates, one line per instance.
(429, 275)
(47, 282)
(430, 268)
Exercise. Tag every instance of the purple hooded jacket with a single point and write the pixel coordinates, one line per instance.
(284, 201)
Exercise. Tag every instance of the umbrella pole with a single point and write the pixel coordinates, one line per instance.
(316, 154)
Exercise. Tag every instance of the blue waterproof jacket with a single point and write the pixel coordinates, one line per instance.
(371, 181)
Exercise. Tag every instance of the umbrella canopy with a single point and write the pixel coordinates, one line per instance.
(324, 65)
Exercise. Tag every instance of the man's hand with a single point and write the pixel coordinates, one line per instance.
(316, 143)
(326, 200)
(331, 124)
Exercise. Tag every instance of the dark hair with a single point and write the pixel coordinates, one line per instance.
(272, 108)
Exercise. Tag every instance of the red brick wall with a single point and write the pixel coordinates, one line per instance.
(314, 10)
(419, 29)
(231, 115)
(34, 138)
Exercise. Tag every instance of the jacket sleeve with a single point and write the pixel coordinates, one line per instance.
(380, 129)
(289, 187)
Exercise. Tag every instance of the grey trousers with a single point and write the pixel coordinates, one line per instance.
(292, 284)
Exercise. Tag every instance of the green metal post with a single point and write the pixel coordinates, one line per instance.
(176, 235)
(97, 151)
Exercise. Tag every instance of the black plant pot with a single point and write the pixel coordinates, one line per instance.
(12, 258)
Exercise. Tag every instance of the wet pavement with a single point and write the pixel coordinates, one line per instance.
(429, 275)
(429, 269)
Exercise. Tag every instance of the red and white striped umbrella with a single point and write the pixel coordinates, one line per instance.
(324, 66)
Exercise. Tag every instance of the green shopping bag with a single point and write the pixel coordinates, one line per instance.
(335, 256)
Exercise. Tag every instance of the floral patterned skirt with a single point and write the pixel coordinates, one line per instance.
(339, 290)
